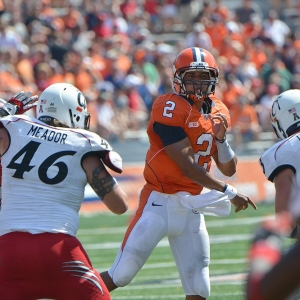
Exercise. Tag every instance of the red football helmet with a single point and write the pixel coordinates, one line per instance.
(191, 60)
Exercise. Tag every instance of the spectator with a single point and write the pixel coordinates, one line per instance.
(205, 14)
(188, 10)
(276, 29)
(43, 76)
(277, 5)
(169, 14)
(128, 7)
(107, 122)
(257, 88)
(220, 10)
(198, 37)
(257, 55)
(153, 8)
(24, 66)
(138, 113)
(253, 28)
(244, 121)
(148, 69)
(217, 30)
(232, 90)
(244, 12)
(265, 106)
(276, 72)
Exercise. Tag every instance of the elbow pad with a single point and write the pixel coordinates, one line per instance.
(114, 161)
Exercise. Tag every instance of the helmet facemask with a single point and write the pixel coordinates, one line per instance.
(198, 60)
(74, 117)
(201, 87)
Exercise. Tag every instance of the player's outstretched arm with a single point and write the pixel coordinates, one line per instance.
(225, 158)
(182, 153)
(104, 185)
(242, 202)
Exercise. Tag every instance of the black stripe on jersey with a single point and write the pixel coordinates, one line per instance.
(169, 134)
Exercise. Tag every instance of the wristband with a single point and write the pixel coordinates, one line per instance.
(229, 191)
(8, 109)
(225, 153)
(3, 112)
(221, 141)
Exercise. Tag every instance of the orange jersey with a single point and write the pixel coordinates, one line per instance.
(161, 173)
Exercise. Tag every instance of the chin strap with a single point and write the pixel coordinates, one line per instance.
(207, 102)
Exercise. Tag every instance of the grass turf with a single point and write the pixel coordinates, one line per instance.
(101, 235)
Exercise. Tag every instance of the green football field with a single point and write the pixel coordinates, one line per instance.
(101, 235)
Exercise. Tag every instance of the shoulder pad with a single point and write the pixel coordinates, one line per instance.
(114, 161)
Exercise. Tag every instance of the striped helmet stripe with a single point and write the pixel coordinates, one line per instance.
(198, 54)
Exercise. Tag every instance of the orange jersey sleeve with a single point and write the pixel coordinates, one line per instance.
(161, 172)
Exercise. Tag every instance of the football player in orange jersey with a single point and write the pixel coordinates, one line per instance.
(186, 130)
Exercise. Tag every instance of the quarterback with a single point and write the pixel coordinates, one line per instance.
(186, 130)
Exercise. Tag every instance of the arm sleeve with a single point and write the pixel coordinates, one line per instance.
(169, 134)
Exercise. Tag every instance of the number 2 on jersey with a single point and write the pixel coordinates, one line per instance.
(202, 139)
(168, 109)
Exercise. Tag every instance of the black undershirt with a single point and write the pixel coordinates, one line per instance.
(169, 134)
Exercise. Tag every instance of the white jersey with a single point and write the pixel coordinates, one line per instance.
(282, 155)
(43, 180)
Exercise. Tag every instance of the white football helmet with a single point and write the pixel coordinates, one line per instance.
(65, 103)
(285, 114)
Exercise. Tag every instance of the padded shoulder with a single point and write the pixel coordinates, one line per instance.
(171, 109)
(95, 140)
(280, 156)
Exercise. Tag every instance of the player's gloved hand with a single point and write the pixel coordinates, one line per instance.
(19, 103)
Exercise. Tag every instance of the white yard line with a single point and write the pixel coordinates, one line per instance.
(209, 224)
(161, 283)
(214, 239)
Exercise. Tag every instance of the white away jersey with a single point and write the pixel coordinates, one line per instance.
(282, 155)
(43, 180)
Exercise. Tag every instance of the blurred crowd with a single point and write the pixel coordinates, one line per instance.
(120, 53)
